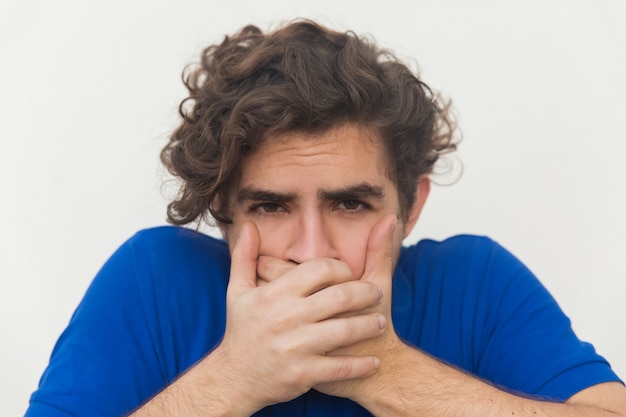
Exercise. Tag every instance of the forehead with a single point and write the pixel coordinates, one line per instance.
(349, 151)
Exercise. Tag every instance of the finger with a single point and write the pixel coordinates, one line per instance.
(341, 299)
(329, 335)
(380, 247)
(340, 368)
(270, 268)
(312, 276)
(244, 260)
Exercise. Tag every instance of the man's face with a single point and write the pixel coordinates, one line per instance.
(316, 196)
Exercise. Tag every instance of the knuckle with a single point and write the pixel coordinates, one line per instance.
(335, 333)
(291, 347)
(342, 370)
(268, 296)
(275, 321)
(341, 295)
(344, 329)
(375, 292)
(278, 323)
(298, 374)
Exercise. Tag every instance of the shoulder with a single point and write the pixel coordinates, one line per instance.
(179, 239)
(462, 253)
(167, 283)
(465, 269)
(154, 308)
(160, 259)
(164, 260)
(171, 246)
(458, 244)
(479, 308)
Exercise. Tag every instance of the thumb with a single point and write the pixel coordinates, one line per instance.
(244, 260)
(379, 253)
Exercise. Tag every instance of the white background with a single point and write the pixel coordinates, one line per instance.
(89, 91)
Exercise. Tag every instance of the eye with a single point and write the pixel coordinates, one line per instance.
(267, 208)
(351, 205)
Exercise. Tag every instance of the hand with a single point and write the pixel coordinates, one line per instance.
(379, 269)
(277, 335)
(379, 266)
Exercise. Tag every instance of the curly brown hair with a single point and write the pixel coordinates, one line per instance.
(301, 77)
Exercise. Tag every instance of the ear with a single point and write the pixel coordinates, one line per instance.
(421, 194)
(227, 230)
(223, 230)
(224, 227)
(229, 233)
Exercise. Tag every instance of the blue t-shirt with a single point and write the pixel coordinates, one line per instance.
(158, 306)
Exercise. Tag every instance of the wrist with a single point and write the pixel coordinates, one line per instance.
(381, 387)
(204, 390)
(221, 384)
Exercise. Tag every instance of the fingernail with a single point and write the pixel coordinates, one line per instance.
(376, 363)
(380, 294)
(382, 321)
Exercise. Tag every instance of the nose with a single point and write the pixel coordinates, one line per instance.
(312, 237)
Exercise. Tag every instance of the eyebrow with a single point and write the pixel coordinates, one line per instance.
(359, 191)
(251, 193)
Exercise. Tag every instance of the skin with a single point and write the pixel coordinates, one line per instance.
(320, 196)
(315, 237)
(325, 199)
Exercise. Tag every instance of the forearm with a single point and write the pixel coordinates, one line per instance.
(204, 390)
(412, 383)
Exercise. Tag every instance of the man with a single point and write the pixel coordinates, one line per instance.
(312, 150)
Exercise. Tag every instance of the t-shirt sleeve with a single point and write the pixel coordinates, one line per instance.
(528, 342)
(105, 362)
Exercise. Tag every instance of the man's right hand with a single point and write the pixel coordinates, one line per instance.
(276, 337)
(277, 334)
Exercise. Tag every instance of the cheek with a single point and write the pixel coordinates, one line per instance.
(352, 251)
(273, 239)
